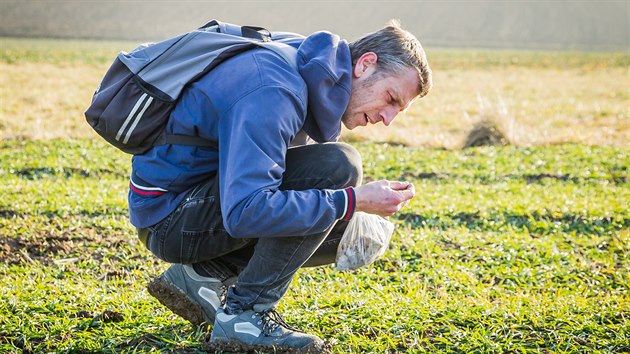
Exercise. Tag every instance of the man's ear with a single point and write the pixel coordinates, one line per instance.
(366, 64)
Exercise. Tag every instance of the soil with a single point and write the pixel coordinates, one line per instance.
(59, 245)
(237, 347)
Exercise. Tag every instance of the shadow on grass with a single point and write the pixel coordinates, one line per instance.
(544, 222)
(36, 173)
(529, 178)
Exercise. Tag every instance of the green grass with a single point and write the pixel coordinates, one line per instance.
(503, 250)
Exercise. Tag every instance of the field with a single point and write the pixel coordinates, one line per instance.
(522, 248)
(536, 97)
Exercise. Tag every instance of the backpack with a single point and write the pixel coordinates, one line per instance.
(133, 102)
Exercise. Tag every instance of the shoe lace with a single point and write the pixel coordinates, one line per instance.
(223, 295)
(271, 320)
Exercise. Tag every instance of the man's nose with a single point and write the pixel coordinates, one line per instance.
(388, 115)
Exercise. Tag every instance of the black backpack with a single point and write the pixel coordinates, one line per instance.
(134, 100)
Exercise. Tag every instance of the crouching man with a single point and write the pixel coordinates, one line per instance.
(237, 222)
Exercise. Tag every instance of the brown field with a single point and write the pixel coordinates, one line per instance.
(535, 98)
(533, 106)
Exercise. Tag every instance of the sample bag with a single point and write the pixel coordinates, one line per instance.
(365, 239)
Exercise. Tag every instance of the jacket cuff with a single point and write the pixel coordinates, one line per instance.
(346, 203)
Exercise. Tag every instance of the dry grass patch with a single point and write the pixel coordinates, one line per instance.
(544, 105)
(550, 97)
(42, 101)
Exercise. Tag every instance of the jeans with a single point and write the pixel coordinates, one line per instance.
(194, 232)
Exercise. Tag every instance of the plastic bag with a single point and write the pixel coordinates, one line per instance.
(365, 239)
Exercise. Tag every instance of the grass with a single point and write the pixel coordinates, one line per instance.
(522, 249)
(504, 249)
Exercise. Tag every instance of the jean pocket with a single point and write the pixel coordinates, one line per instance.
(199, 214)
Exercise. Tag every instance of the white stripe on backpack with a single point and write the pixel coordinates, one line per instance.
(135, 122)
(133, 111)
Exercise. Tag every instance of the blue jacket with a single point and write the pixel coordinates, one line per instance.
(253, 104)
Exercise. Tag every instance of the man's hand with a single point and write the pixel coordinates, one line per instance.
(383, 197)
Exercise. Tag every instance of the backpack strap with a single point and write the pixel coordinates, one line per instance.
(262, 38)
(285, 51)
(252, 32)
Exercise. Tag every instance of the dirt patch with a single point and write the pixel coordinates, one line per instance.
(19, 250)
(110, 316)
(533, 178)
(81, 314)
(527, 177)
(105, 317)
(425, 175)
(59, 246)
(7, 214)
(230, 346)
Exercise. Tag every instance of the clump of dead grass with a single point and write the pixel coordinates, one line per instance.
(493, 125)
(485, 133)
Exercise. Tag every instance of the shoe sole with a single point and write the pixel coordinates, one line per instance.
(234, 346)
(176, 300)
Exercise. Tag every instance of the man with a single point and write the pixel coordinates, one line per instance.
(247, 216)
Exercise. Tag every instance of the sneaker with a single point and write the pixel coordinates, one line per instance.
(188, 294)
(264, 331)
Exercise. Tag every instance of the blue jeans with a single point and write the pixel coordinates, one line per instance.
(194, 232)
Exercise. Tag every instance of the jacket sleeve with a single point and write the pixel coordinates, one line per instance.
(254, 135)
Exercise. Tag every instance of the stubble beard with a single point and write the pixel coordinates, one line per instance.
(359, 88)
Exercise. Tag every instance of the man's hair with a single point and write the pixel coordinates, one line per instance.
(396, 49)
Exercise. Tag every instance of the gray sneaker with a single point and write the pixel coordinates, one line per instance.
(265, 331)
(188, 294)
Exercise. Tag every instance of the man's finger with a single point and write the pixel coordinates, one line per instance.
(397, 185)
(406, 194)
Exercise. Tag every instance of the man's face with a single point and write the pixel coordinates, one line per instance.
(378, 97)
